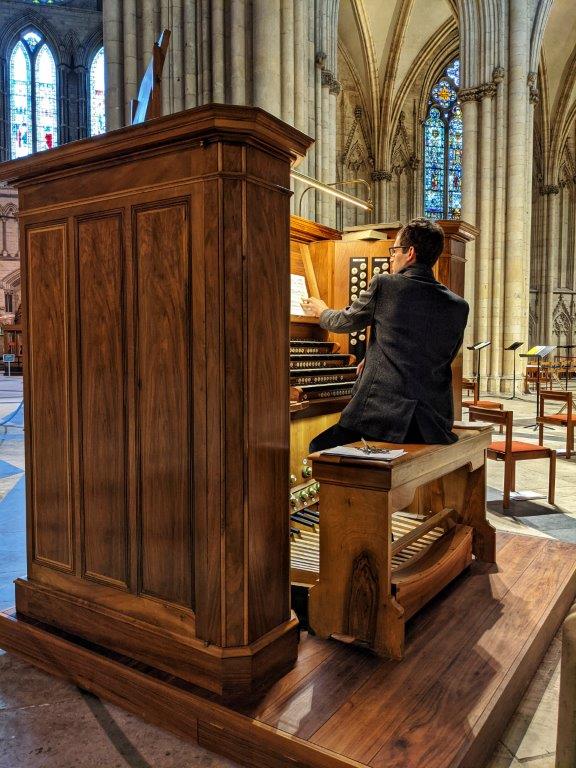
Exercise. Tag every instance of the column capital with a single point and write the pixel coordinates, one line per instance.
(498, 74)
(320, 58)
(550, 189)
(467, 94)
(533, 92)
(486, 90)
(335, 87)
(480, 92)
(381, 176)
(327, 77)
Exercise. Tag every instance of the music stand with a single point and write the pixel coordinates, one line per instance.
(539, 352)
(513, 348)
(477, 348)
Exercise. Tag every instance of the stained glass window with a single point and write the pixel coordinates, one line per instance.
(443, 148)
(33, 96)
(97, 91)
(20, 102)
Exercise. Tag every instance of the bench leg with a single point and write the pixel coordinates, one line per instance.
(552, 478)
(465, 491)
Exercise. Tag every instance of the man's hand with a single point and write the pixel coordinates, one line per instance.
(360, 367)
(313, 306)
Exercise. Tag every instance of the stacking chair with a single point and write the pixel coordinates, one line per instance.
(565, 418)
(510, 451)
(471, 385)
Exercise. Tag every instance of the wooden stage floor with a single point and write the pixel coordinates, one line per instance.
(470, 655)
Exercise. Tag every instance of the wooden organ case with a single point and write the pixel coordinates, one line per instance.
(156, 393)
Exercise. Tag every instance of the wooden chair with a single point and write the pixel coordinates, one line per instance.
(565, 419)
(471, 385)
(510, 451)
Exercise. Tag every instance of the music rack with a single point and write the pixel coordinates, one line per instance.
(540, 351)
(512, 348)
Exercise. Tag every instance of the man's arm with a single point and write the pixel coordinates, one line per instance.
(355, 317)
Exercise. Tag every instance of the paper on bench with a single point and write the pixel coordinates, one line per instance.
(350, 452)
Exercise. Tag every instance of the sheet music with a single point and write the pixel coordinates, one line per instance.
(298, 291)
(350, 452)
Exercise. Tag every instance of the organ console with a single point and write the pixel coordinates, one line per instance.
(323, 367)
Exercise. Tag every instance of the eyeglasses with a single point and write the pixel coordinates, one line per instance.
(397, 248)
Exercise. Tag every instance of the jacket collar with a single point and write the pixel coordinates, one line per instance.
(417, 270)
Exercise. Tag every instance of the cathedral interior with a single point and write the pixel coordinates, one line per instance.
(459, 111)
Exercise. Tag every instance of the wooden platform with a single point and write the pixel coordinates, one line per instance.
(470, 654)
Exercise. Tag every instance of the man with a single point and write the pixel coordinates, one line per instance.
(404, 391)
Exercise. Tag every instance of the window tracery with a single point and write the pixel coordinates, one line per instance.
(33, 97)
(443, 133)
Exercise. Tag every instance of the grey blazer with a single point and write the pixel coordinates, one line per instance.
(417, 327)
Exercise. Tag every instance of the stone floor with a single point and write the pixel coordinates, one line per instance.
(39, 716)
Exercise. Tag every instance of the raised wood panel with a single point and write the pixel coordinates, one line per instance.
(208, 384)
(103, 399)
(47, 300)
(163, 412)
(265, 166)
(268, 417)
(235, 395)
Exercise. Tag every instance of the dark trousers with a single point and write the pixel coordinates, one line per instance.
(333, 436)
(339, 435)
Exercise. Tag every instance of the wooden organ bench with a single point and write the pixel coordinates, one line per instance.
(369, 583)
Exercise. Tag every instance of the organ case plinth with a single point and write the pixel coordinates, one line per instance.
(155, 265)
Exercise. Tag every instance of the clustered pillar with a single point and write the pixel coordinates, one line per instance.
(498, 123)
(277, 54)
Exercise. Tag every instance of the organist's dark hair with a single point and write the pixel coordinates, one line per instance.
(427, 239)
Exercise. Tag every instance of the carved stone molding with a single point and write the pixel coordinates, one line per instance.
(327, 77)
(498, 74)
(534, 94)
(320, 58)
(381, 176)
(358, 113)
(486, 90)
(467, 94)
(335, 87)
(550, 189)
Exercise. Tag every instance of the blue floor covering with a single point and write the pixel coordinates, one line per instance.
(12, 541)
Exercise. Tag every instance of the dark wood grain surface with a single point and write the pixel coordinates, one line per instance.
(470, 655)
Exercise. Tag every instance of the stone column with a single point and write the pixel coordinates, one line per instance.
(519, 163)
(324, 129)
(266, 45)
(177, 43)
(498, 235)
(287, 56)
(484, 254)
(149, 31)
(130, 52)
(562, 275)
(190, 56)
(381, 182)
(238, 51)
(335, 89)
(550, 261)
(468, 100)
(217, 19)
(113, 34)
